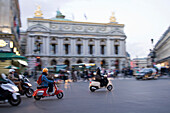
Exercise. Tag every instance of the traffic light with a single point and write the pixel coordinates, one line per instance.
(38, 61)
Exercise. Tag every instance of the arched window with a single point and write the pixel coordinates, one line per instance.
(67, 62)
(53, 62)
(79, 61)
(103, 63)
(91, 61)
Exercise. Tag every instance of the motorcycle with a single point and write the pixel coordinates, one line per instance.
(8, 92)
(42, 92)
(94, 85)
(26, 86)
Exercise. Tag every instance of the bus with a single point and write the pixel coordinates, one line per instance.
(84, 66)
(56, 68)
(58, 71)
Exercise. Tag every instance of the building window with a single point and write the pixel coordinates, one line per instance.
(79, 49)
(67, 62)
(38, 48)
(79, 61)
(53, 48)
(116, 49)
(91, 49)
(102, 49)
(66, 48)
(53, 62)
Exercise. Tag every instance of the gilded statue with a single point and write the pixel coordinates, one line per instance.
(38, 12)
(112, 18)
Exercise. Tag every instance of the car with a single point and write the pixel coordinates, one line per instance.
(136, 71)
(147, 73)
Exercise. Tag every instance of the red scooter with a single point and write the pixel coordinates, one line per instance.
(42, 92)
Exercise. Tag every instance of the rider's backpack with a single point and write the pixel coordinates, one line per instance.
(39, 81)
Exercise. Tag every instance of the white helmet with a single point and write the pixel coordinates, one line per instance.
(11, 70)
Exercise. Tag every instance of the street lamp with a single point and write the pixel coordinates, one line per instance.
(36, 50)
(153, 53)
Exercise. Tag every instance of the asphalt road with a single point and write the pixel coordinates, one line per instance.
(128, 96)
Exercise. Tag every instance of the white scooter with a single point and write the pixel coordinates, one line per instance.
(94, 85)
(8, 92)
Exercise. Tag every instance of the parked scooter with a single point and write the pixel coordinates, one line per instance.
(94, 85)
(42, 92)
(8, 92)
(26, 86)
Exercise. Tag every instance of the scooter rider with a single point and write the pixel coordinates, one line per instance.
(15, 80)
(46, 82)
(98, 76)
(102, 79)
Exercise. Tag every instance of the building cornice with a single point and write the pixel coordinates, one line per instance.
(41, 19)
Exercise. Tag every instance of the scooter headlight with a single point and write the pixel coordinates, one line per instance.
(15, 88)
(29, 84)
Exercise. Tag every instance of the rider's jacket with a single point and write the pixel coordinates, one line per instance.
(45, 81)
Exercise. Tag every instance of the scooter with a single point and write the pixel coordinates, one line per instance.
(26, 86)
(42, 92)
(8, 92)
(94, 85)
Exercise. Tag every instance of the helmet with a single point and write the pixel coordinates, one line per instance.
(11, 70)
(45, 70)
(98, 68)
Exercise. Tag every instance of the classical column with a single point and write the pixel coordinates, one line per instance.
(73, 47)
(108, 47)
(32, 46)
(124, 48)
(121, 48)
(44, 45)
(29, 45)
(85, 47)
(97, 47)
(48, 46)
(113, 47)
(60, 47)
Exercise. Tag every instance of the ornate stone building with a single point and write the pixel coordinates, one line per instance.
(62, 41)
(9, 36)
(162, 49)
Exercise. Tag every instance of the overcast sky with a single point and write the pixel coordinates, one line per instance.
(143, 19)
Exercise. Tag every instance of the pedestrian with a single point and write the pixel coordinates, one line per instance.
(73, 76)
(86, 75)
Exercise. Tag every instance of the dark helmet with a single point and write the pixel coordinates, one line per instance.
(98, 68)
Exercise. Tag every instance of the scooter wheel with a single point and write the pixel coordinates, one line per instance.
(29, 93)
(15, 102)
(91, 89)
(60, 95)
(37, 97)
(109, 87)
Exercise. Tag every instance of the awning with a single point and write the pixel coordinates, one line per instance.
(11, 67)
(10, 56)
(23, 62)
